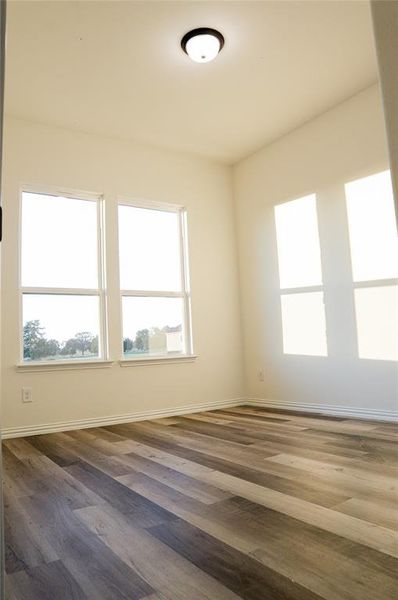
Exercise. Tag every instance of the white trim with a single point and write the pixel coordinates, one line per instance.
(327, 409)
(13, 432)
(126, 200)
(157, 360)
(63, 365)
(61, 291)
(187, 319)
(52, 190)
(342, 411)
(103, 341)
(184, 293)
(100, 292)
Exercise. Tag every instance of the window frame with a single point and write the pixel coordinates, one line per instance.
(100, 291)
(184, 294)
(307, 289)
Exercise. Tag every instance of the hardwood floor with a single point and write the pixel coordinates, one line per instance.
(238, 503)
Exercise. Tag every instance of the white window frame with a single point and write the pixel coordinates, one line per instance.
(184, 294)
(100, 291)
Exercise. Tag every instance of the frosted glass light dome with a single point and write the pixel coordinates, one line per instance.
(202, 45)
(203, 48)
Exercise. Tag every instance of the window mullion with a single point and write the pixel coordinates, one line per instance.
(185, 283)
(61, 291)
(103, 324)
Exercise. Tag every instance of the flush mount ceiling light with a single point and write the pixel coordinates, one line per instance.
(202, 44)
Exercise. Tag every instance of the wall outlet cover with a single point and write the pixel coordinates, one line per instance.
(27, 394)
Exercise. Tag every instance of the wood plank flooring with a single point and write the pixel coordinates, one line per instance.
(238, 503)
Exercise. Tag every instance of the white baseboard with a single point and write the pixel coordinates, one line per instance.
(327, 409)
(14, 432)
(323, 409)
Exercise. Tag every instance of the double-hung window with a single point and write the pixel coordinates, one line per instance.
(62, 281)
(374, 258)
(300, 274)
(154, 287)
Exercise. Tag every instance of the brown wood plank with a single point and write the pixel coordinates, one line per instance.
(302, 489)
(237, 571)
(183, 483)
(154, 561)
(25, 544)
(140, 510)
(237, 503)
(47, 582)
(96, 569)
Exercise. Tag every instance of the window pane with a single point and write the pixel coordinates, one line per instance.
(60, 327)
(372, 227)
(298, 243)
(59, 242)
(149, 244)
(153, 326)
(304, 325)
(377, 322)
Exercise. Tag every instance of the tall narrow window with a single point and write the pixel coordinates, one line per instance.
(374, 257)
(62, 288)
(300, 274)
(154, 281)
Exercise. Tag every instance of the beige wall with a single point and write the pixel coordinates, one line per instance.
(48, 156)
(345, 143)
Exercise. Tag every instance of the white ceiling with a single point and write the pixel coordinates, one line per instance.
(116, 68)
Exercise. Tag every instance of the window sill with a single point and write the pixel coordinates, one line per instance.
(156, 360)
(81, 365)
(37, 367)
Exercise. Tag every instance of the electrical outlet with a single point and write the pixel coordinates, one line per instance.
(27, 394)
(261, 376)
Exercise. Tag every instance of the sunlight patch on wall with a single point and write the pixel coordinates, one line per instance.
(300, 273)
(303, 323)
(299, 253)
(372, 228)
(377, 322)
(374, 258)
